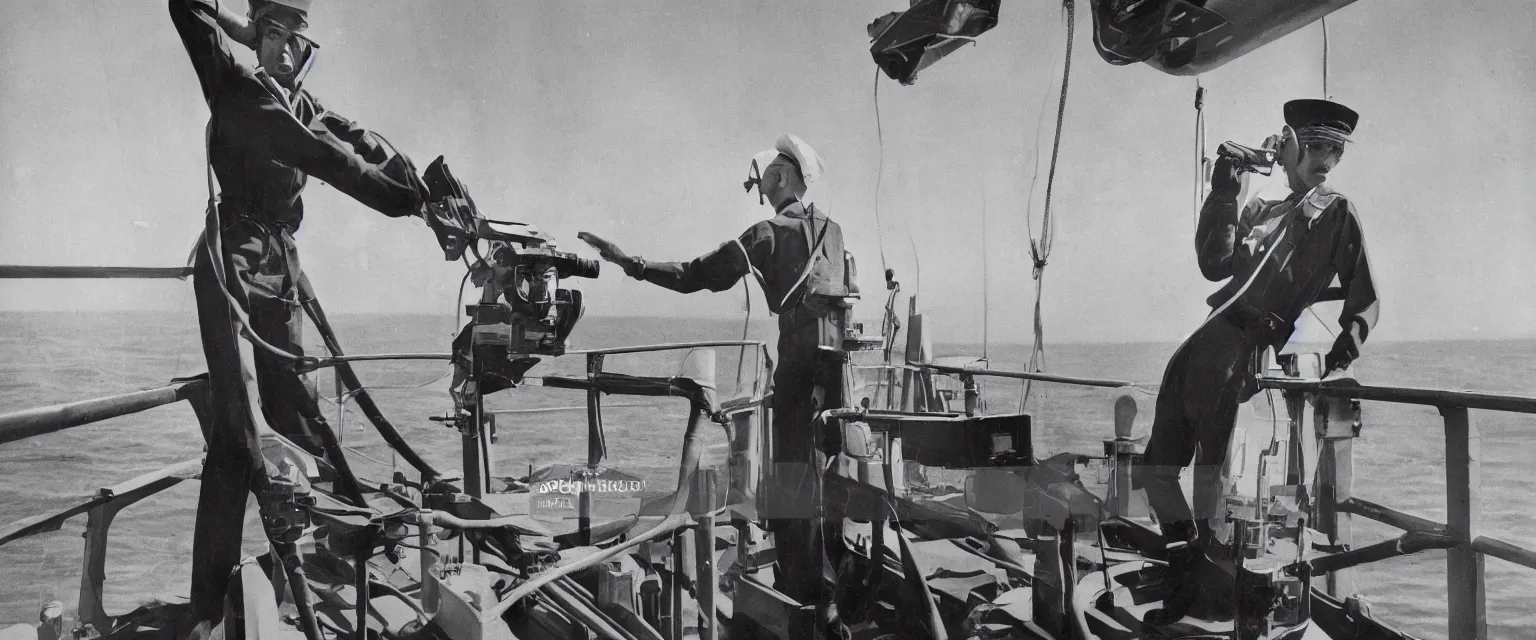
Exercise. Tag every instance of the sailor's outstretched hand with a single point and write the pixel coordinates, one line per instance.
(606, 249)
(610, 252)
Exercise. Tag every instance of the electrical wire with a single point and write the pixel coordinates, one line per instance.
(1040, 250)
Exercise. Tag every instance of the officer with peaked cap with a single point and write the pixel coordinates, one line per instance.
(797, 256)
(267, 135)
(1277, 258)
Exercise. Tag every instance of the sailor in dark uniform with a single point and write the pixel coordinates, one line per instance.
(797, 257)
(1277, 258)
(266, 136)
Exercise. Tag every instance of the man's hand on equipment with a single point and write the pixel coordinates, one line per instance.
(1227, 176)
(611, 253)
(1336, 361)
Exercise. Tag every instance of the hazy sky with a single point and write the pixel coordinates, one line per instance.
(636, 120)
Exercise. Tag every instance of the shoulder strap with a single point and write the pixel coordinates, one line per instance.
(810, 260)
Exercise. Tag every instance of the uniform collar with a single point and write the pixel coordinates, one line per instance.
(796, 209)
(283, 95)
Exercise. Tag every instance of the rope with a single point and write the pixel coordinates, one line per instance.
(1040, 251)
(879, 172)
(917, 268)
(1200, 159)
(741, 357)
(986, 303)
(1326, 95)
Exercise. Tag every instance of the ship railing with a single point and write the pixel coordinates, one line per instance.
(102, 507)
(1334, 419)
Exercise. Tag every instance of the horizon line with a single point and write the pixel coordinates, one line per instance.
(1004, 343)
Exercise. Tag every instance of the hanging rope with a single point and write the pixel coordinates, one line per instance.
(741, 356)
(1040, 250)
(1200, 158)
(1326, 95)
(917, 267)
(986, 303)
(879, 173)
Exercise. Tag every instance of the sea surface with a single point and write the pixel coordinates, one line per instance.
(49, 358)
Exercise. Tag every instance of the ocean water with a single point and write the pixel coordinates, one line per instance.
(48, 358)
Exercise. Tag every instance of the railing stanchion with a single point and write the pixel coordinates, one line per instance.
(594, 444)
(1466, 615)
(1335, 421)
(93, 570)
(706, 585)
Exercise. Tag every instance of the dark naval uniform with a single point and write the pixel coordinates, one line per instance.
(263, 145)
(1277, 258)
(777, 252)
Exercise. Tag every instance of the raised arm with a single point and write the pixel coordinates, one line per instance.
(1361, 306)
(1221, 225)
(198, 22)
(717, 270)
(357, 162)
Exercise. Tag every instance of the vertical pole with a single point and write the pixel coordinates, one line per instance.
(470, 436)
(909, 379)
(594, 444)
(675, 601)
(708, 580)
(341, 405)
(1337, 472)
(972, 394)
(1464, 515)
(428, 531)
(94, 572)
(1336, 422)
(1121, 449)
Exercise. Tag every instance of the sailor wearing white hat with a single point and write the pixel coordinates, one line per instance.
(798, 258)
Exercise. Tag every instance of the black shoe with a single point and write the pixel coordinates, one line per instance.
(1180, 588)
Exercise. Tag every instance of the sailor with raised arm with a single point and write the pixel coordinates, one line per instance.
(1277, 258)
(797, 256)
(267, 135)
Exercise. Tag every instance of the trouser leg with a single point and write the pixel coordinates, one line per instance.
(797, 468)
(1196, 412)
(232, 459)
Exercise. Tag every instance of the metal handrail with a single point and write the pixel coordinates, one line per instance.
(1466, 617)
(46, 271)
(19, 425)
(1024, 375)
(1405, 395)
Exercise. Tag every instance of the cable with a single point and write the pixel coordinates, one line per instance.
(746, 322)
(1200, 159)
(1040, 251)
(917, 267)
(879, 173)
(986, 302)
(468, 270)
(1326, 95)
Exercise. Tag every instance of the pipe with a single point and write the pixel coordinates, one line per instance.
(590, 615)
(19, 425)
(360, 559)
(427, 529)
(672, 523)
(337, 361)
(41, 271)
(1022, 375)
(298, 585)
(348, 377)
(909, 566)
(448, 521)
